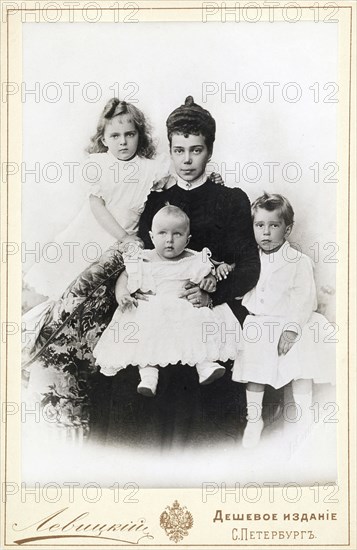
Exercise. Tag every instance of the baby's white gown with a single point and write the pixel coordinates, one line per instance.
(167, 329)
(124, 186)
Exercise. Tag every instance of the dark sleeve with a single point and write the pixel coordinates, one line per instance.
(146, 219)
(241, 249)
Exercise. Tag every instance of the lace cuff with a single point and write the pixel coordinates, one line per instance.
(202, 266)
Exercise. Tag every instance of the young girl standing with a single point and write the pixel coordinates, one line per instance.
(167, 329)
(284, 339)
(120, 172)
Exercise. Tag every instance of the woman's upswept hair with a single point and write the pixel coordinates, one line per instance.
(191, 118)
(113, 108)
(272, 202)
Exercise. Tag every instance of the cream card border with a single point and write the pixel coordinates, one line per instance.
(111, 508)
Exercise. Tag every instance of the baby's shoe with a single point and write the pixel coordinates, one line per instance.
(252, 433)
(149, 379)
(209, 372)
(145, 389)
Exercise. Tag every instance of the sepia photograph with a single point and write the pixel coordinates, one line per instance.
(179, 268)
(179, 230)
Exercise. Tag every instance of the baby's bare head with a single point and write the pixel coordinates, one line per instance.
(173, 214)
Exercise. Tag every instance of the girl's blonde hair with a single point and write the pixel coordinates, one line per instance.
(271, 202)
(113, 108)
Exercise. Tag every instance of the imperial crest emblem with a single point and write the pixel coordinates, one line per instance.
(177, 521)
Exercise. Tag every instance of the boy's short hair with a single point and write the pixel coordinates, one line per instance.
(175, 211)
(191, 118)
(273, 201)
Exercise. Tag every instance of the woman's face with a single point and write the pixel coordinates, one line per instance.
(190, 155)
(121, 137)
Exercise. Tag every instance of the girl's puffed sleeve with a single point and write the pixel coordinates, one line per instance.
(201, 266)
(92, 176)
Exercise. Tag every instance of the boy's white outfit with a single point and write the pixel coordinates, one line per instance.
(285, 299)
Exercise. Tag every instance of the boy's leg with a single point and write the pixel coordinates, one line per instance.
(209, 372)
(302, 392)
(273, 399)
(149, 378)
(255, 424)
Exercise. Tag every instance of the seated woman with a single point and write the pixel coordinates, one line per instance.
(221, 221)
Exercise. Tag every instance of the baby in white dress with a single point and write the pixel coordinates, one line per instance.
(164, 328)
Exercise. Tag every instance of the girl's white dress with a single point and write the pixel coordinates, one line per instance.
(285, 299)
(167, 329)
(124, 186)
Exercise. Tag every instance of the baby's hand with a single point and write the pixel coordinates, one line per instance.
(209, 283)
(223, 270)
(125, 301)
(286, 341)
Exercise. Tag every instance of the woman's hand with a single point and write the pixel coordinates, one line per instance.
(196, 296)
(216, 178)
(125, 301)
(209, 283)
(223, 270)
(286, 341)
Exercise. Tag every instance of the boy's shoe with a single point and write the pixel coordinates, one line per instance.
(252, 433)
(210, 373)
